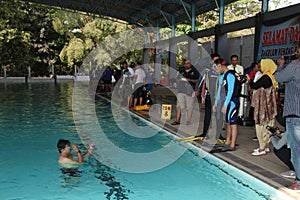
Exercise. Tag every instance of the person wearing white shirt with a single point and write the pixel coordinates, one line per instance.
(240, 71)
(139, 81)
(126, 88)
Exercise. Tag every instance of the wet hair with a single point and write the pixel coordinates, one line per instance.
(220, 61)
(61, 144)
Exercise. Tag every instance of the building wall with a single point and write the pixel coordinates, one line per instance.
(244, 49)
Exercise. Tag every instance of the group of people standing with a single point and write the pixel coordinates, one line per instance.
(135, 81)
(227, 80)
(226, 102)
(263, 83)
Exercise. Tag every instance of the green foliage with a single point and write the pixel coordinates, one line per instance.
(86, 34)
(275, 4)
(39, 36)
(27, 38)
(64, 22)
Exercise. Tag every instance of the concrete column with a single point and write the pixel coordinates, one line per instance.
(75, 70)
(157, 60)
(223, 46)
(29, 71)
(212, 49)
(241, 50)
(157, 33)
(173, 26)
(172, 59)
(221, 39)
(52, 69)
(193, 50)
(4, 71)
(221, 12)
(193, 17)
(221, 43)
(146, 57)
(264, 6)
(157, 66)
(258, 25)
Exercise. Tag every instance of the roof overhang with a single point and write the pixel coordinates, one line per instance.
(140, 12)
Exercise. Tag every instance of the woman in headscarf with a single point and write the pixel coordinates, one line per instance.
(264, 103)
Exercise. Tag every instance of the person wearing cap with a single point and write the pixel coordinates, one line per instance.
(290, 75)
(231, 105)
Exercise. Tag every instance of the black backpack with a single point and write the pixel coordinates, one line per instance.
(239, 80)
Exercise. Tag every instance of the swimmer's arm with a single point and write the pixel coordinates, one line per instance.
(79, 155)
(89, 151)
(85, 155)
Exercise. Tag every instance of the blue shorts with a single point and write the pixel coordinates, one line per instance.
(232, 111)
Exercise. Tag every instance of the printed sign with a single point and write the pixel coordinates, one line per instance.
(166, 111)
(279, 40)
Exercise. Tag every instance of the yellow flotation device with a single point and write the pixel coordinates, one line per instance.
(143, 107)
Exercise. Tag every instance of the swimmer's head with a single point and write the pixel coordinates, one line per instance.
(61, 144)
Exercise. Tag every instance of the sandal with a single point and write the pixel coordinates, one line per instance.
(175, 123)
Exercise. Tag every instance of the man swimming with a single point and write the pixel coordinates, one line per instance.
(66, 158)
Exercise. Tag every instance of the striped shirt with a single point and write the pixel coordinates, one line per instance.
(290, 75)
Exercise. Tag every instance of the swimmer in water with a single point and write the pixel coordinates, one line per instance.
(66, 157)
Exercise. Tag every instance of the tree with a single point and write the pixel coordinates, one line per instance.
(14, 44)
(27, 38)
(86, 34)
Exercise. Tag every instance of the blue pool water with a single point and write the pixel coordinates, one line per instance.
(32, 119)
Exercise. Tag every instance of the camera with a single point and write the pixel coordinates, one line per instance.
(243, 79)
(291, 57)
(273, 130)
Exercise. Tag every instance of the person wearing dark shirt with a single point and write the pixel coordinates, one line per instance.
(255, 67)
(107, 77)
(187, 80)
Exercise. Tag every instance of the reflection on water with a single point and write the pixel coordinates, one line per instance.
(71, 177)
(34, 117)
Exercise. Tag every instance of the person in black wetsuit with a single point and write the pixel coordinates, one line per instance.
(229, 82)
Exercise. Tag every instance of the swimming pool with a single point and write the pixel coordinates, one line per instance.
(34, 116)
